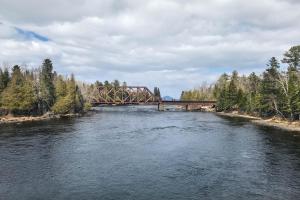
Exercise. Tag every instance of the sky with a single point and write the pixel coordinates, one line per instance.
(173, 44)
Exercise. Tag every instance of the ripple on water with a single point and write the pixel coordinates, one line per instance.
(139, 153)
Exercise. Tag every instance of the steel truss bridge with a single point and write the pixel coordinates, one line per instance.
(138, 95)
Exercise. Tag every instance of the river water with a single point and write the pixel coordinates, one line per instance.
(140, 153)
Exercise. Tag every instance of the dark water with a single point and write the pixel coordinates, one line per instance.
(138, 153)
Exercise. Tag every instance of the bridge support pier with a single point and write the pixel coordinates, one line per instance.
(160, 107)
(187, 107)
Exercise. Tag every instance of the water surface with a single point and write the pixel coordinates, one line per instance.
(139, 153)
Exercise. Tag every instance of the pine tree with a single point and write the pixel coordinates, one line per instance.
(291, 104)
(107, 84)
(47, 89)
(116, 83)
(241, 100)
(233, 90)
(182, 95)
(270, 88)
(253, 95)
(219, 86)
(98, 84)
(293, 92)
(4, 79)
(19, 96)
(60, 88)
(157, 93)
(220, 92)
(79, 101)
(292, 57)
(71, 88)
(66, 103)
(223, 100)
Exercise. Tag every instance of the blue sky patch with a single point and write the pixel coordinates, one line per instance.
(30, 35)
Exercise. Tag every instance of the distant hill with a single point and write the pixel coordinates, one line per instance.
(167, 98)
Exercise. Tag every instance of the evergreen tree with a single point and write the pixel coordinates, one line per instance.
(71, 88)
(107, 84)
(223, 103)
(60, 88)
(220, 92)
(116, 83)
(233, 90)
(182, 95)
(270, 88)
(4, 79)
(241, 100)
(157, 93)
(220, 85)
(253, 95)
(292, 57)
(293, 106)
(254, 83)
(47, 89)
(79, 101)
(98, 84)
(67, 104)
(19, 96)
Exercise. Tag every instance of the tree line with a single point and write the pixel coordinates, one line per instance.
(38, 91)
(202, 93)
(275, 92)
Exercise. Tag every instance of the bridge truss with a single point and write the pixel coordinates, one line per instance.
(125, 95)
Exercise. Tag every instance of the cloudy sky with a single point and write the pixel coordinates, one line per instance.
(173, 44)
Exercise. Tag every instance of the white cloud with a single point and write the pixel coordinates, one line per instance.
(173, 44)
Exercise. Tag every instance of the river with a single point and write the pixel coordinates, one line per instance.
(139, 153)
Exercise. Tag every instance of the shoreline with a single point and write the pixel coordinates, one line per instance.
(276, 123)
(237, 115)
(22, 119)
(45, 117)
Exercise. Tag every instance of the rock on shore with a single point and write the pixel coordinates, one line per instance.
(279, 124)
(47, 116)
(272, 122)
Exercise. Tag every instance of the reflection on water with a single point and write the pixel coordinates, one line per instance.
(139, 153)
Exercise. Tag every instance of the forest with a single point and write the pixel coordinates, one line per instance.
(40, 91)
(275, 92)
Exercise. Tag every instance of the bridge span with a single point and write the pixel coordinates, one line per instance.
(140, 95)
(187, 104)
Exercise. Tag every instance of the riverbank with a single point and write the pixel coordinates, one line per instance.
(48, 116)
(273, 122)
(21, 119)
(238, 115)
(279, 124)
